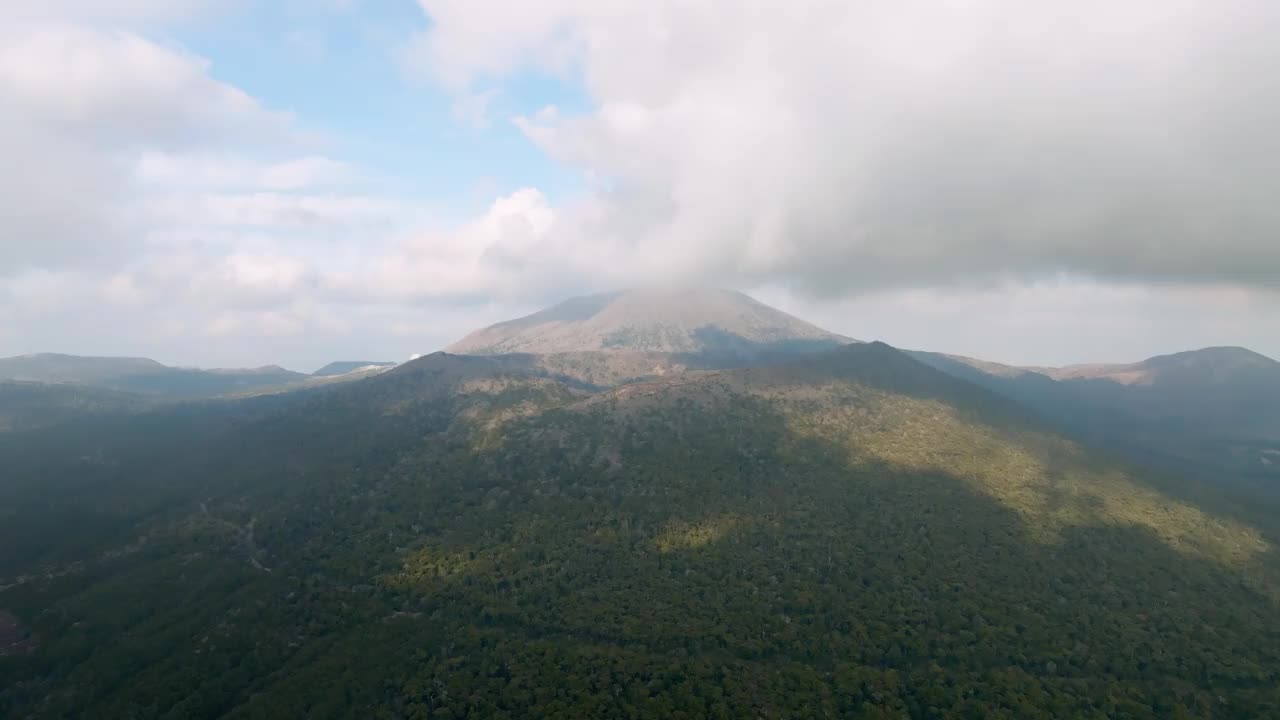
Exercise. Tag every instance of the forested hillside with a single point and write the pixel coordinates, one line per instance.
(849, 535)
(30, 405)
(1212, 414)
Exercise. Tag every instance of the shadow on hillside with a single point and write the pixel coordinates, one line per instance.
(722, 540)
(727, 534)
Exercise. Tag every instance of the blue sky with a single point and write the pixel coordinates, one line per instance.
(342, 73)
(243, 182)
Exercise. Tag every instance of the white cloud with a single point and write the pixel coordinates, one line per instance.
(842, 147)
(242, 278)
(91, 115)
(155, 205)
(224, 324)
(514, 250)
(255, 324)
(41, 292)
(122, 289)
(268, 209)
(492, 39)
(198, 169)
(1052, 322)
(116, 86)
(26, 11)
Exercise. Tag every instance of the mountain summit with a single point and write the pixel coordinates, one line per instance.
(684, 320)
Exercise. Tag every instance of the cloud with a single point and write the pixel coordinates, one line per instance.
(268, 323)
(841, 147)
(156, 205)
(122, 289)
(65, 207)
(268, 209)
(91, 116)
(116, 86)
(105, 10)
(503, 252)
(1053, 321)
(200, 169)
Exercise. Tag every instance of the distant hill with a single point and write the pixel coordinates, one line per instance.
(59, 368)
(706, 322)
(342, 367)
(143, 376)
(1226, 389)
(1208, 366)
(1214, 411)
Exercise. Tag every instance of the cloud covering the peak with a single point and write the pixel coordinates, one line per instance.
(841, 147)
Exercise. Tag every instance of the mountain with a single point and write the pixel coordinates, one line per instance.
(690, 322)
(1224, 389)
(58, 368)
(851, 533)
(1209, 366)
(1214, 412)
(342, 367)
(143, 376)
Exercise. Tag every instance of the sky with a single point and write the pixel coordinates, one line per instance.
(234, 183)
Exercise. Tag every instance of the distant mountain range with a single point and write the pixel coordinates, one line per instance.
(149, 379)
(1214, 412)
(141, 375)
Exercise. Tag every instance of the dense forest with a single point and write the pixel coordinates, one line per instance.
(849, 535)
(31, 405)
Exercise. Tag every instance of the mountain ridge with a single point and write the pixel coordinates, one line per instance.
(1221, 359)
(1213, 412)
(142, 376)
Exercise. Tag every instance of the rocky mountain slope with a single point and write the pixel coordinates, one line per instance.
(719, 323)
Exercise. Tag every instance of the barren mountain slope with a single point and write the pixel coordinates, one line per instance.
(693, 321)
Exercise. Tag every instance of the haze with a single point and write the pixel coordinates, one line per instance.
(251, 182)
